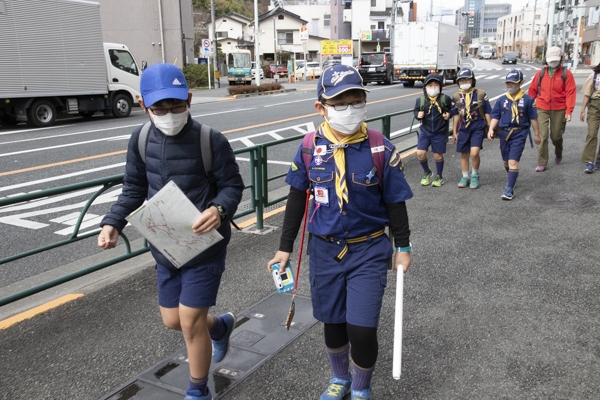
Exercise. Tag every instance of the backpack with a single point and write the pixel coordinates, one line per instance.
(480, 96)
(563, 76)
(442, 100)
(375, 142)
(205, 148)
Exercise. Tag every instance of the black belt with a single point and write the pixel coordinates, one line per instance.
(359, 239)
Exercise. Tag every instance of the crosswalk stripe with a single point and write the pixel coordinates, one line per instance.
(492, 77)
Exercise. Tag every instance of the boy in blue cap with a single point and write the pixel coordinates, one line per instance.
(514, 114)
(471, 110)
(349, 250)
(433, 110)
(172, 153)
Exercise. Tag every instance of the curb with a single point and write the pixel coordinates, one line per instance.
(237, 96)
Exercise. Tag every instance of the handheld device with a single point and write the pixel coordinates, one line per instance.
(283, 278)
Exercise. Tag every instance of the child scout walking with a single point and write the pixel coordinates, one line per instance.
(514, 114)
(433, 110)
(471, 110)
(353, 201)
(591, 100)
(554, 91)
(185, 294)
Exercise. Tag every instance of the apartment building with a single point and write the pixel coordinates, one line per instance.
(523, 32)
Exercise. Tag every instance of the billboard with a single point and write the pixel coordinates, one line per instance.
(336, 47)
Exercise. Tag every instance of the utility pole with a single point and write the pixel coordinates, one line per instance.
(214, 44)
(256, 52)
(550, 19)
(564, 27)
(531, 48)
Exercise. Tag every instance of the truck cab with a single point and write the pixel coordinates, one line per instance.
(123, 78)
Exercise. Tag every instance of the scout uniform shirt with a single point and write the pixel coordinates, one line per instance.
(365, 211)
(591, 88)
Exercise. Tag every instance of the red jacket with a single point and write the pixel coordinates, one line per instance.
(555, 94)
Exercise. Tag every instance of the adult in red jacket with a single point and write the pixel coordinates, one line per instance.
(554, 103)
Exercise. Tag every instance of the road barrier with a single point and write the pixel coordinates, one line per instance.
(259, 200)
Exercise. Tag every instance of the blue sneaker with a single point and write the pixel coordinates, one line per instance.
(337, 389)
(589, 168)
(364, 394)
(464, 182)
(221, 346)
(597, 165)
(508, 194)
(474, 181)
(196, 395)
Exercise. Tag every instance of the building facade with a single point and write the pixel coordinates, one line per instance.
(477, 20)
(523, 32)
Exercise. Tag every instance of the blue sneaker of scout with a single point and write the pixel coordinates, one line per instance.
(364, 394)
(337, 389)
(221, 346)
(474, 181)
(589, 168)
(597, 165)
(508, 194)
(196, 395)
(464, 182)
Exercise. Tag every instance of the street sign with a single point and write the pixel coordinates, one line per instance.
(365, 35)
(303, 34)
(331, 47)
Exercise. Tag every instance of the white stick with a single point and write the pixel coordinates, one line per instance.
(397, 358)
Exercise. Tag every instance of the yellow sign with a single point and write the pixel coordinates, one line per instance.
(365, 35)
(336, 47)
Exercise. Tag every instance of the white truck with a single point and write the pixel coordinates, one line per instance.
(421, 48)
(54, 64)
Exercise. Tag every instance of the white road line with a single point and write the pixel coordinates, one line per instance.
(59, 177)
(492, 76)
(288, 102)
(268, 161)
(100, 130)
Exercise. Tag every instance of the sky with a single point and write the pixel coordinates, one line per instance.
(438, 5)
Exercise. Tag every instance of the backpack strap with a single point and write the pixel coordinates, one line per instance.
(594, 83)
(377, 152)
(443, 98)
(206, 152)
(143, 140)
(480, 98)
(421, 103)
(564, 76)
(307, 149)
(540, 81)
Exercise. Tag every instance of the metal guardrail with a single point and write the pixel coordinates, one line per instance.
(259, 200)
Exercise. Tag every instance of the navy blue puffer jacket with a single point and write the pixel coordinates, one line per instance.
(178, 158)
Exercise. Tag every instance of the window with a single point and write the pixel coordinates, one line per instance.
(285, 37)
(221, 34)
(122, 60)
(381, 25)
(538, 16)
(314, 27)
(326, 20)
(373, 3)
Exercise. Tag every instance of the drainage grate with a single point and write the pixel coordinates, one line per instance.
(560, 200)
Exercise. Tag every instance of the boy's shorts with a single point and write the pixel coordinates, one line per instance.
(350, 290)
(195, 286)
(513, 149)
(468, 139)
(437, 141)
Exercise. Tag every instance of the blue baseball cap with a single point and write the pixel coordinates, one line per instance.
(514, 76)
(162, 81)
(338, 79)
(465, 73)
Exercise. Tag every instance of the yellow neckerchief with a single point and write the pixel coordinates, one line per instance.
(339, 156)
(467, 96)
(514, 109)
(433, 102)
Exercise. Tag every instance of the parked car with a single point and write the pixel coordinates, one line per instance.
(278, 69)
(376, 67)
(331, 63)
(254, 69)
(311, 69)
(510, 57)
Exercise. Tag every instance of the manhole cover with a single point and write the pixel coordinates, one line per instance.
(560, 200)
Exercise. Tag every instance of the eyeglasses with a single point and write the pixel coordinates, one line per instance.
(344, 106)
(173, 110)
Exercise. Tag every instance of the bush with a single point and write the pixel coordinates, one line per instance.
(265, 87)
(197, 75)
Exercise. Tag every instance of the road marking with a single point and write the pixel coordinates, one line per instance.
(18, 171)
(39, 310)
(492, 76)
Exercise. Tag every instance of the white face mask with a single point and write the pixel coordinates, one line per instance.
(513, 90)
(347, 121)
(170, 124)
(465, 86)
(433, 92)
(553, 64)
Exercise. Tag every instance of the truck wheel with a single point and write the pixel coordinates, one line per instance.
(121, 106)
(41, 114)
(389, 79)
(408, 83)
(444, 81)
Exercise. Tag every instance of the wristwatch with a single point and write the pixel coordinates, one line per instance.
(221, 210)
(404, 249)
